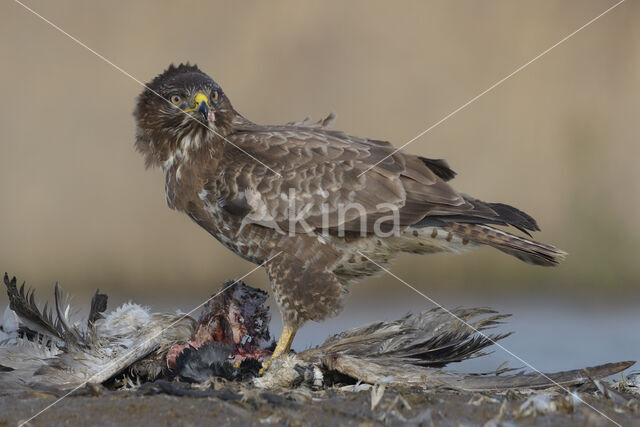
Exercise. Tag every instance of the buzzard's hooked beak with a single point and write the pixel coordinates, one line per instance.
(201, 105)
(204, 109)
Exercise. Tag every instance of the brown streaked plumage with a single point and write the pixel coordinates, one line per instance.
(240, 181)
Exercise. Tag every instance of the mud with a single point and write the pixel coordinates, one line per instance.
(222, 403)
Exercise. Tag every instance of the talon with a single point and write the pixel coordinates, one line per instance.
(265, 366)
(236, 365)
(282, 348)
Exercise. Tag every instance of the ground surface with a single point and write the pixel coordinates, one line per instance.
(232, 404)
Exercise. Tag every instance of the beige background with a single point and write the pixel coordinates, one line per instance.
(559, 139)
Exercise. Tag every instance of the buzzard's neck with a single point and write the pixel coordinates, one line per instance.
(194, 148)
(188, 168)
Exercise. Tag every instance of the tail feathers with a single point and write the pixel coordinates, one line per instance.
(526, 250)
(515, 217)
(484, 213)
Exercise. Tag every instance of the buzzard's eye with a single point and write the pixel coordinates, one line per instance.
(176, 99)
(214, 96)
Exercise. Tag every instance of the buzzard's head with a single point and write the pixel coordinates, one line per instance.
(181, 104)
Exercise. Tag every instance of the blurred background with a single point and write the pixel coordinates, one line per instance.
(560, 140)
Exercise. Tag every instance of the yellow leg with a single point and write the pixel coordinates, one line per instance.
(283, 346)
(284, 343)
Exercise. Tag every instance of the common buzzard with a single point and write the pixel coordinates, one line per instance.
(320, 208)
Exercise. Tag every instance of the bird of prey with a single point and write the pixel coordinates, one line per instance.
(318, 207)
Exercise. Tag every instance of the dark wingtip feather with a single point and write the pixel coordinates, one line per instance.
(440, 167)
(98, 306)
(515, 217)
(10, 284)
(24, 305)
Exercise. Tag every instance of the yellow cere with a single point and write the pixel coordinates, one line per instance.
(197, 101)
(201, 97)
